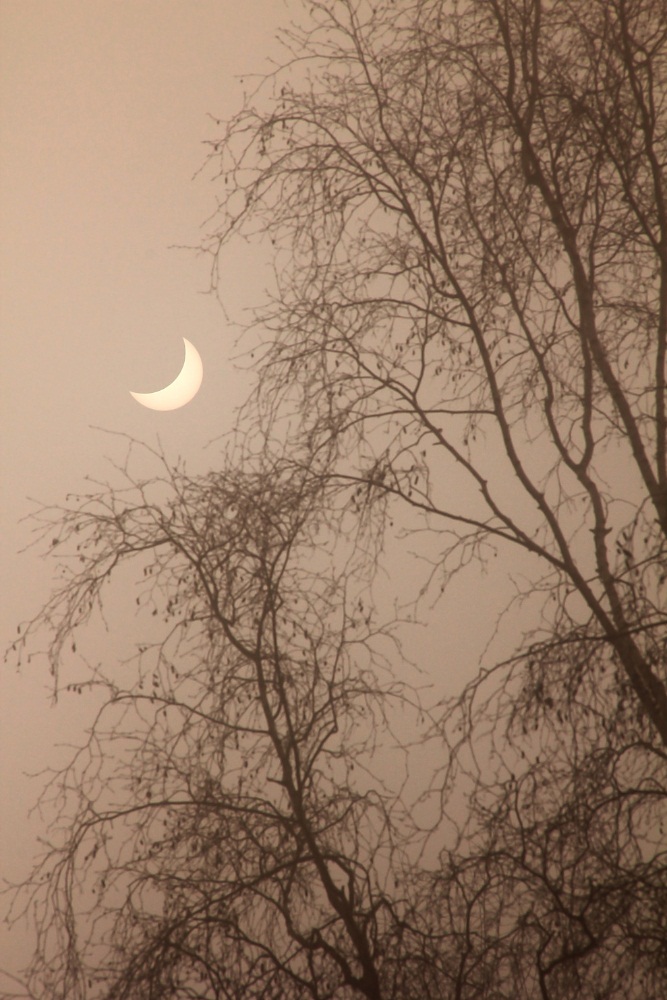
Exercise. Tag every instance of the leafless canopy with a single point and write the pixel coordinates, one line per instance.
(469, 208)
(467, 339)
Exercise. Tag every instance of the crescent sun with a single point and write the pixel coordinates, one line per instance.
(184, 387)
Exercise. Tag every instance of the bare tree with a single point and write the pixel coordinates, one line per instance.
(224, 832)
(227, 831)
(469, 209)
(468, 334)
(556, 887)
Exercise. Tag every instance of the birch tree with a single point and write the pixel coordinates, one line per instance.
(469, 213)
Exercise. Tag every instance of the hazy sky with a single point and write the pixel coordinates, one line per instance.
(104, 116)
(103, 122)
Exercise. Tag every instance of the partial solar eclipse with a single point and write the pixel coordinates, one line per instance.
(184, 387)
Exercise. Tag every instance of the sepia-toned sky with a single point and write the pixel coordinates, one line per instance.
(103, 120)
